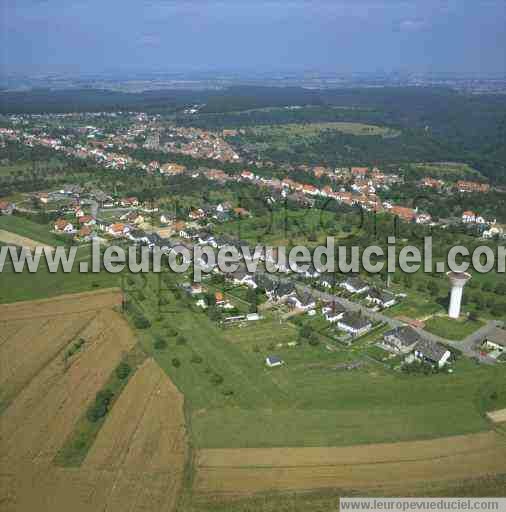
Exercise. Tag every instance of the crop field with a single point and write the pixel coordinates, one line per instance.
(45, 392)
(403, 466)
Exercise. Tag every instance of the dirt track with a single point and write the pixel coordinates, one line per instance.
(380, 466)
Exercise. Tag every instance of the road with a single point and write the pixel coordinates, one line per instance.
(469, 346)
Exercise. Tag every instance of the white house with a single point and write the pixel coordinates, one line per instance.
(354, 325)
(354, 285)
(496, 340)
(434, 353)
(333, 313)
(382, 298)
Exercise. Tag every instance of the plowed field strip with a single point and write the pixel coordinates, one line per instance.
(383, 466)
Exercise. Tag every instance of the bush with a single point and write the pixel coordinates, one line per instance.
(181, 340)
(176, 362)
(101, 406)
(196, 359)
(217, 379)
(160, 344)
(141, 322)
(171, 332)
(123, 370)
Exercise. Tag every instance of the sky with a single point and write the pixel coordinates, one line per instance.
(326, 36)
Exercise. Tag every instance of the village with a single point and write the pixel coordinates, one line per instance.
(349, 309)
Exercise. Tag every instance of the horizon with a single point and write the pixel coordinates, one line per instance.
(381, 37)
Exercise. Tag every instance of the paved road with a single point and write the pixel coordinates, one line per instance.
(352, 306)
(469, 346)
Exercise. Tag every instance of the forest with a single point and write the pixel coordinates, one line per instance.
(436, 124)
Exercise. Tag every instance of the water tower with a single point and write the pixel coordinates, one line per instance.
(457, 280)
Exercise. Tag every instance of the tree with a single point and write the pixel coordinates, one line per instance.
(433, 288)
(251, 297)
(473, 316)
(123, 370)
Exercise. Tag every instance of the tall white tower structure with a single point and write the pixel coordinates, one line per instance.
(458, 281)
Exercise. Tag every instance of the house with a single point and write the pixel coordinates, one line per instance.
(6, 208)
(310, 273)
(433, 353)
(354, 285)
(218, 298)
(333, 312)
(403, 212)
(282, 291)
(494, 232)
(86, 220)
(354, 324)
(84, 233)
(172, 169)
(196, 289)
(118, 230)
(302, 300)
(167, 218)
(470, 217)
(496, 340)
(103, 225)
(247, 175)
(327, 280)
(471, 186)
(423, 218)
(429, 182)
(63, 226)
(241, 212)
(238, 276)
(382, 298)
(273, 361)
(129, 201)
(402, 339)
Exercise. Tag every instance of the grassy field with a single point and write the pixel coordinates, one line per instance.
(29, 229)
(314, 129)
(452, 329)
(306, 402)
(42, 284)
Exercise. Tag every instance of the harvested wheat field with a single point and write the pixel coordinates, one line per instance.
(144, 442)
(379, 466)
(138, 460)
(62, 305)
